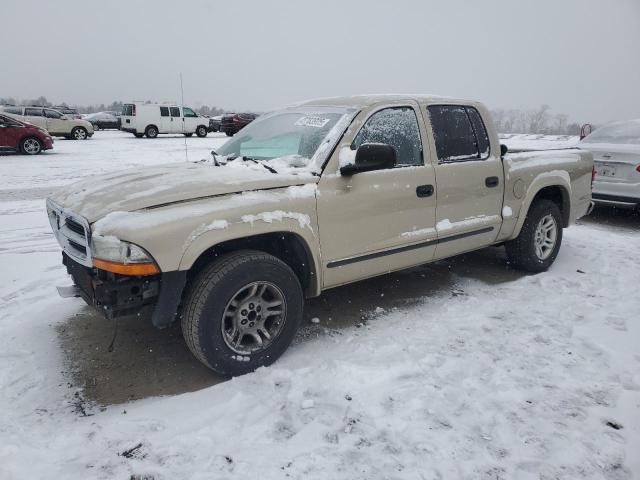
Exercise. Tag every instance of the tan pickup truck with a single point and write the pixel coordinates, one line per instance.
(317, 195)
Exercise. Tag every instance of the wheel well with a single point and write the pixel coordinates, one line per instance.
(150, 125)
(560, 197)
(287, 246)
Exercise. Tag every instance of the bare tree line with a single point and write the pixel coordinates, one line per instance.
(540, 120)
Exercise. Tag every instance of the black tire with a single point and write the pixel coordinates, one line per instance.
(138, 135)
(201, 131)
(151, 131)
(211, 292)
(79, 133)
(521, 251)
(31, 146)
(188, 134)
(229, 134)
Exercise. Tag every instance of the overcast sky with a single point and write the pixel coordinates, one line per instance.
(581, 57)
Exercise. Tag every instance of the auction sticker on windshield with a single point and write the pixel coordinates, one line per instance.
(316, 122)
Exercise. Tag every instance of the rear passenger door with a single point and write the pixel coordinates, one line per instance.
(469, 179)
(35, 115)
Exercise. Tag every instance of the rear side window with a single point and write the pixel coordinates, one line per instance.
(175, 111)
(397, 127)
(128, 109)
(164, 111)
(33, 112)
(13, 110)
(459, 133)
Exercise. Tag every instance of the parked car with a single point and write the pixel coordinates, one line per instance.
(68, 111)
(214, 123)
(616, 150)
(103, 121)
(53, 121)
(22, 137)
(232, 123)
(308, 198)
(151, 119)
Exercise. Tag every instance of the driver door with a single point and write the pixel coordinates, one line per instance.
(55, 121)
(378, 221)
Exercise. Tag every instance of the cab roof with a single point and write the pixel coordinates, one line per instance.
(361, 101)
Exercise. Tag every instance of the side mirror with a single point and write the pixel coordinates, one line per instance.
(503, 149)
(371, 156)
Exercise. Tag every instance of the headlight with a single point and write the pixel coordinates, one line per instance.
(114, 255)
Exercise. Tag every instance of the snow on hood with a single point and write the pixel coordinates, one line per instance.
(137, 189)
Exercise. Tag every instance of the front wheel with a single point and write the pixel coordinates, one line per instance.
(79, 133)
(31, 146)
(201, 131)
(242, 312)
(229, 133)
(536, 247)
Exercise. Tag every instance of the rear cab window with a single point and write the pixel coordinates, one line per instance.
(459, 133)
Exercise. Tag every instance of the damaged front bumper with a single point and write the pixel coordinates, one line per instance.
(120, 295)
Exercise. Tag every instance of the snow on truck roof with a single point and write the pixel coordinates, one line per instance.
(372, 99)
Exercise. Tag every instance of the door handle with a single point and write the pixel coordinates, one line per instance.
(424, 191)
(492, 182)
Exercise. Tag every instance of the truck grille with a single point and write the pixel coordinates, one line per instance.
(72, 232)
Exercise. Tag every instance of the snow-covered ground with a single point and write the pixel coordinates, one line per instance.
(493, 375)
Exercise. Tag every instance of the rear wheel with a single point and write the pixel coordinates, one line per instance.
(201, 131)
(31, 146)
(151, 131)
(536, 247)
(242, 311)
(79, 133)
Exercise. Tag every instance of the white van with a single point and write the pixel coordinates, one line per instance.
(150, 119)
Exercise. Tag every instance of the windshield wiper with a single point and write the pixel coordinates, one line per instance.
(250, 159)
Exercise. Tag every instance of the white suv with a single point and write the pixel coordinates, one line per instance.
(53, 121)
(150, 119)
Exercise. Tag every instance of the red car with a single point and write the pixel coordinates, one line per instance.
(23, 137)
(232, 123)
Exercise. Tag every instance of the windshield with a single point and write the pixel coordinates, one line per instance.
(296, 137)
(619, 132)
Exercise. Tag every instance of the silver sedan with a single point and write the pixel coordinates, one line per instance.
(616, 151)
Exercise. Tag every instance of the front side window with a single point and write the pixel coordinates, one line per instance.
(52, 114)
(398, 127)
(33, 112)
(188, 112)
(175, 111)
(164, 111)
(459, 133)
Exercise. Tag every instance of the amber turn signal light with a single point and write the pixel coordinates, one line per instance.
(141, 269)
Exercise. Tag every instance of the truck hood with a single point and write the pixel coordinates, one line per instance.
(137, 189)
